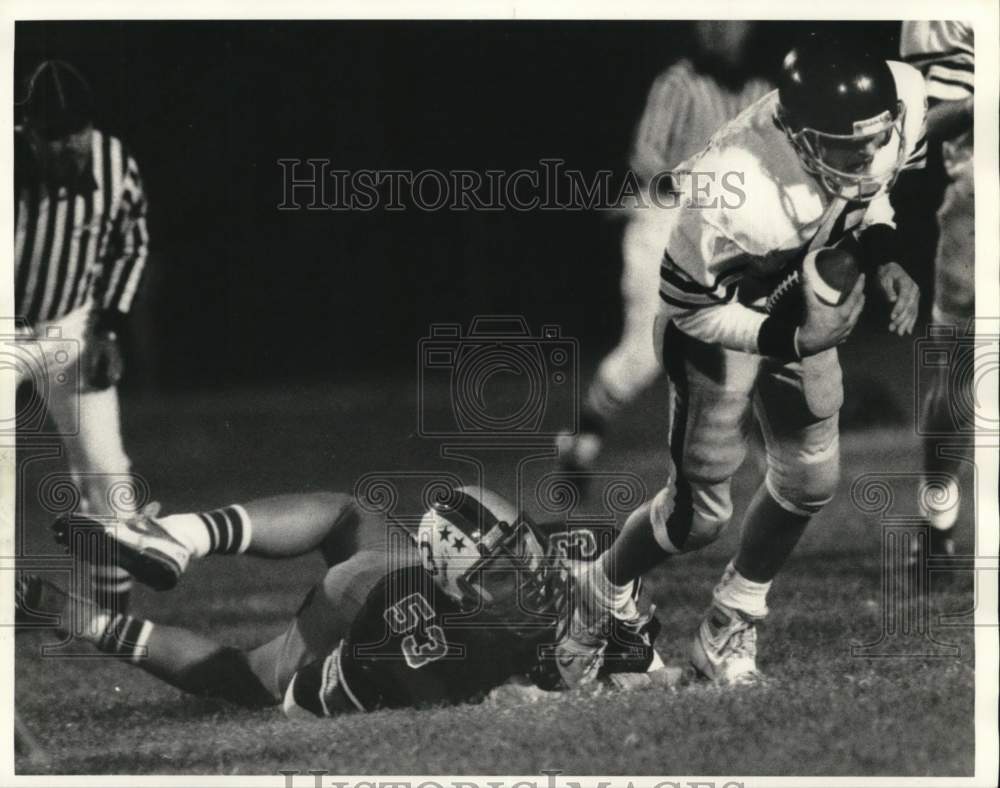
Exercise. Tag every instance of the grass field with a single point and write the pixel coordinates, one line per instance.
(825, 712)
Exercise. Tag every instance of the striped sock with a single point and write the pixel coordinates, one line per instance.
(225, 530)
(111, 587)
(120, 635)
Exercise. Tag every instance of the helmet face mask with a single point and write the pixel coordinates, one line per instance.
(857, 167)
(485, 556)
(840, 109)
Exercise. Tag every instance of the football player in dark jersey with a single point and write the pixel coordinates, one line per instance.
(445, 614)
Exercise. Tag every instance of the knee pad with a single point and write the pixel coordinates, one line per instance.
(804, 481)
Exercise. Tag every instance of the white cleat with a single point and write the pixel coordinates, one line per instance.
(580, 652)
(725, 648)
(139, 545)
(579, 656)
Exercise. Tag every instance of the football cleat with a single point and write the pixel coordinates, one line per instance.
(38, 604)
(631, 644)
(580, 651)
(725, 648)
(579, 654)
(140, 545)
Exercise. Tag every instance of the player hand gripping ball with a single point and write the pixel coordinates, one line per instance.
(824, 295)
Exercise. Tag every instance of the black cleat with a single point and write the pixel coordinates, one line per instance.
(38, 604)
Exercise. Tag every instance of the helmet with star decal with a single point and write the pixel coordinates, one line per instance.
(482, 551)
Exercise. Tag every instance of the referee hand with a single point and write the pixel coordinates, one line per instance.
(102, 360)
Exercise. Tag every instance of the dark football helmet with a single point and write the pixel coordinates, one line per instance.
(842, 115)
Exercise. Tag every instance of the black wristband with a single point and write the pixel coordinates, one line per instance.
(777, 338)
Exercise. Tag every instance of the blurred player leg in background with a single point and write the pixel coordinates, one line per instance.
(632, 366)
(687, 103)
(944, 53)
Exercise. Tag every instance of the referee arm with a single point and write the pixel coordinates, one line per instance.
(125, 257)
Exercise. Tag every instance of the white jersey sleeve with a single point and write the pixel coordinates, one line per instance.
(701, 269)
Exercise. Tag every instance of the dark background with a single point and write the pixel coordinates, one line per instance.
(239, 292)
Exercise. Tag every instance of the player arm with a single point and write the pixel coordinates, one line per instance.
(879, 248)
(948, 119)
(943, 52)
(128, 248)
(699, 275)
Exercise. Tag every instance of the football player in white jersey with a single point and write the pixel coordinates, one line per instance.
(807, 167)
(944, 52)
(687, 103)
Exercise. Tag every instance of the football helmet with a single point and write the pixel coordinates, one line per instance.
(482, 552)
(842, 115)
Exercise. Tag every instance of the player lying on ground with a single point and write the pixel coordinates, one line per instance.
(466, 606)
(815, 161)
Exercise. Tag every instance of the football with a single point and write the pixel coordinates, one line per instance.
(836, 271)
(833, 272)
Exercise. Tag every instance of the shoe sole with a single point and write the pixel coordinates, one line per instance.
(149, 566)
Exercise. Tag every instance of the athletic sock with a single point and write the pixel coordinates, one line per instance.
(614, 598)
(225, 530)
(111, 587)
(747, 596)
(118, 634)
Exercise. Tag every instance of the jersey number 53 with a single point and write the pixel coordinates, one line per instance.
(410, 617)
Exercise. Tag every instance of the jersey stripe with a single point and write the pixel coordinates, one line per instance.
(60, 210)
(78, 243)
(70, 259)
(39, 260)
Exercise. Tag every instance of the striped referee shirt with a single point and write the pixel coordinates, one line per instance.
(78, 243)
(684, 109)
(945, 54)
